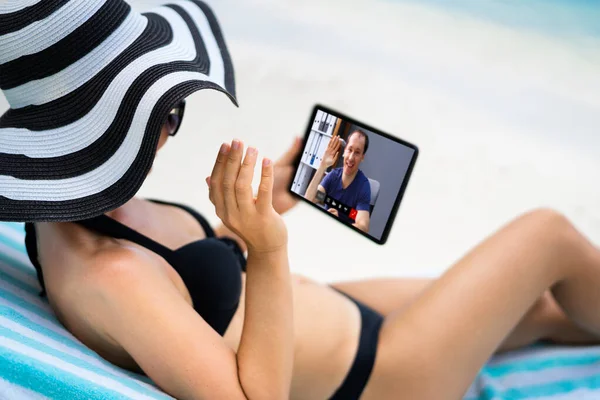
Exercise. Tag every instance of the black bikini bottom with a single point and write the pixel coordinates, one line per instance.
(357, 378)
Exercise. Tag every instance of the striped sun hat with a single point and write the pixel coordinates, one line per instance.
(90, 84)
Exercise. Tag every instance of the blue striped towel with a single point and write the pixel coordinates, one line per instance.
(540, 372)
(39, 359)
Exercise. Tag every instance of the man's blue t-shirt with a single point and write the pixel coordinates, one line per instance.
(357, 195)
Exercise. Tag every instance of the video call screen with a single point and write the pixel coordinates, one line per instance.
(353, 172)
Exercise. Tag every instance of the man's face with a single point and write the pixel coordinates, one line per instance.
(354, 153)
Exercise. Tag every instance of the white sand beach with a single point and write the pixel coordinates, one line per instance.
(506, 119)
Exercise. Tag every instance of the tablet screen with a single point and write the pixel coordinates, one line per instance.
(360, 180)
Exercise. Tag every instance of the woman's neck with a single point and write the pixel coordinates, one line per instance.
(124, 213)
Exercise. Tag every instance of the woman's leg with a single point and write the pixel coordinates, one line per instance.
(384, 295)
(435, 346)
(545, 320)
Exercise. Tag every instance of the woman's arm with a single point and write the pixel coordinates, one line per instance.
(268, 293)
(266, 346)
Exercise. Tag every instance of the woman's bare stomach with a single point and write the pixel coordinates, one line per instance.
(326, 330)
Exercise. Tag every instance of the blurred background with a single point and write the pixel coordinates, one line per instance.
(501, 97)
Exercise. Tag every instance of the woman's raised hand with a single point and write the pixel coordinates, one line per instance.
(230, 185)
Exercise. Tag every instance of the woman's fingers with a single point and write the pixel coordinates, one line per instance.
(243, 186)
(216, 191)
(231, 183)
(230, 176)
(264, 199)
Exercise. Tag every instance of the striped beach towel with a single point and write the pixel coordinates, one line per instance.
(540, 372)
(39, 359)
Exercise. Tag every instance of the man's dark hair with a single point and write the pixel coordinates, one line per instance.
(361, 133)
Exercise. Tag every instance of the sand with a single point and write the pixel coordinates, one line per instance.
(506, 119)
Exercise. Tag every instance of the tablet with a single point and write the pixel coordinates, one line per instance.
(352, 172)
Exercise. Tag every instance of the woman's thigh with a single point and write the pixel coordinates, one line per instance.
(545, 320)
(436, 345)
(384, 295)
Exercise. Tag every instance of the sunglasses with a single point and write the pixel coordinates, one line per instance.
(174, 118)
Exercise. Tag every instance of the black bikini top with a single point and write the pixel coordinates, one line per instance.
(210, 268)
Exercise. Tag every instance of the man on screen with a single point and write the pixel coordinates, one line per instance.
(346, 184)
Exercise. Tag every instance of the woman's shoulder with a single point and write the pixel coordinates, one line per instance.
(115, 262)
(81, 260)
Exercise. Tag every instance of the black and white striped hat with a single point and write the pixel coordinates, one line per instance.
(90, 83)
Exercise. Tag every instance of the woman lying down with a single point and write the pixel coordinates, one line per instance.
(213, 312)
